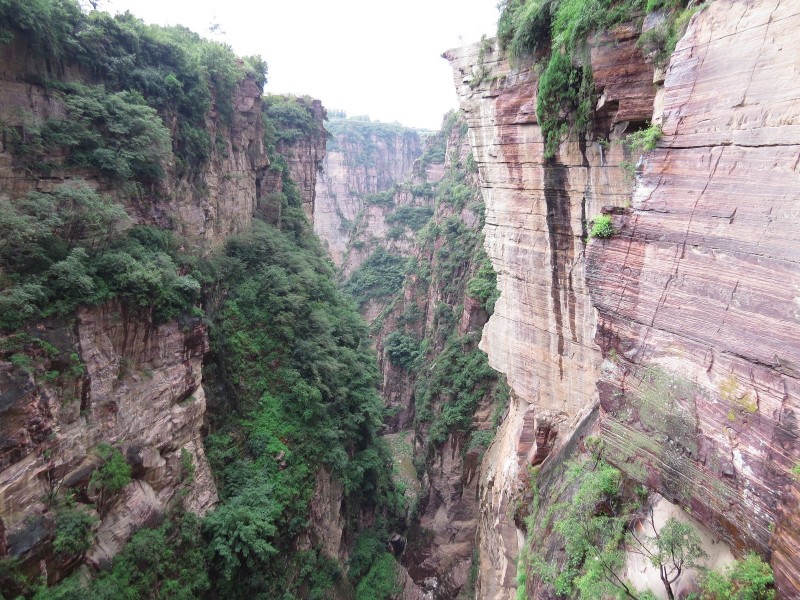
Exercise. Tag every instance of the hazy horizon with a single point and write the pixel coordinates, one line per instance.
(383, 61)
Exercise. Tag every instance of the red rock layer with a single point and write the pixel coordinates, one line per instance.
(698, 292)
(537, 217)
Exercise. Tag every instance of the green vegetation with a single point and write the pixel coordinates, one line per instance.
(157, 564)
(175, 71)
(384, 198)
(380, 583)
(554, 32)
(65, 248)
(288, 119)
(379, 276)
(644, 140)
(402, 350)
(660, 41)
(674, 547)
(747, 579)
(602, 227)
(483, 286)
(73, 532)
(457, 381)
(412, 217)
(110, 477)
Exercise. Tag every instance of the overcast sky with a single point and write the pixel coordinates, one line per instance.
(369, 57)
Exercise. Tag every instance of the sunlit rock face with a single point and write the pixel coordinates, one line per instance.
(683, 325)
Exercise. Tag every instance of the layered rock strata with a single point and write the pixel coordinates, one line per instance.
(684, 321)
(362, 159)
(697, 293)
(541, 334)
(125, 381)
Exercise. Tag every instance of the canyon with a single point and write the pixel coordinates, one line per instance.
(513, 346)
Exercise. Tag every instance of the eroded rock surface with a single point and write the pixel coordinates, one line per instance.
(130, 383)
(541, 334)
(697, 295)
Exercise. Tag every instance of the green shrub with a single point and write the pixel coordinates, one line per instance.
(402, 350)
(380, 275)
(114, 474)
(644, 140)
(564, 101)
(602, 227)
(380, 583)
(747, 579)
(483, 286)
(73, 532)
(413, 217)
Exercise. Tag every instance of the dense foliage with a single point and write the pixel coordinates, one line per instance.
(555, 31)
(173, 69)
(379, 276)
(65, 248)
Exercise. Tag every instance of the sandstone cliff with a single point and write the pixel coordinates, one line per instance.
(114, 374)
(364, 163)
(669, 325)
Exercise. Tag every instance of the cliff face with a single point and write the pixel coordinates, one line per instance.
(113, 375)
(122, 380)
(206, 205)
(363, 159)
(678, 325)
(541, 334)
(697, 291)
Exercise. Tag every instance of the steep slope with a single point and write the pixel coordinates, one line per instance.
(151, 193)
(364, 164)
(695, 384)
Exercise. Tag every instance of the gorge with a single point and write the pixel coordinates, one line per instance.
(249, 349)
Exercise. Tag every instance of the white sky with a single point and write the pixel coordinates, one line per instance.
(364, 56)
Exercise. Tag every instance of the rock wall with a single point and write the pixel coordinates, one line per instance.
(363, 158)
(541, 334)
(697, 294)
(123, 380)
(682, 325)
(206, 206)
(112, 375)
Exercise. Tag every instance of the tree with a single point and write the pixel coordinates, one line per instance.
(673, 549)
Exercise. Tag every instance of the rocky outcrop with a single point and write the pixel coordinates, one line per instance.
(206, 205)
(696, 294)
(362, 160)
(682, 324)
(114, 378)
(304, 156)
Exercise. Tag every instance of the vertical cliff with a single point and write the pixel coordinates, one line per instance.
(364, 166)
(667, 325)
(541, 334)
(112, 200)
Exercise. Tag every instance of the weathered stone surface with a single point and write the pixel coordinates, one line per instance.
(541, 334)
(697, 294)
(139, 390)
(206, 206)
(354, 167)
